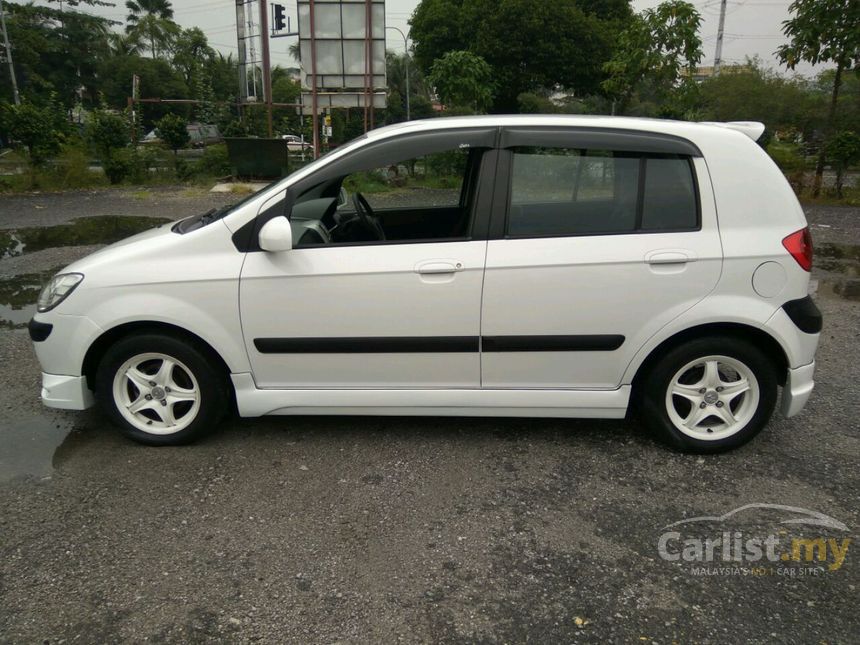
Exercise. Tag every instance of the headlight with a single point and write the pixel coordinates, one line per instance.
(57, 290)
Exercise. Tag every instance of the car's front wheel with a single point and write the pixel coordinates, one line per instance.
(710, 394)
(161, 390)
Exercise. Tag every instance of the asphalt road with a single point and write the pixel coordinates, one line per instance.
(372, 530)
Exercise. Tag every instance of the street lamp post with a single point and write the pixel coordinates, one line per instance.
(406, 51)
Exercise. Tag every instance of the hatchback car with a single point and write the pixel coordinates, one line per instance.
(550, 266)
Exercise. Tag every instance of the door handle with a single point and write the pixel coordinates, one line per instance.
(669, 257)
(435, 267)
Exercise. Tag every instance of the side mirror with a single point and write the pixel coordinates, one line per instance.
(342, 197)
(276, 235)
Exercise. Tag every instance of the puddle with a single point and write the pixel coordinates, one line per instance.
(28, 446)
(838, 258)
(846, 289)
(18, 295)
(82, 231)
(841, 265)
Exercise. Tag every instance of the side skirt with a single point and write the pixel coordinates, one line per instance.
(595, 404)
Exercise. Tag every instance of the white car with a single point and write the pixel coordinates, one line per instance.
(552, 266)
(296, 144)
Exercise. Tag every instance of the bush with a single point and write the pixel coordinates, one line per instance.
(843, 149)
(214, 162)
(173, 131)
(117, 166)
(788, 156)
(72, 169)
(138, 165)
(107, 132)
(41, 130)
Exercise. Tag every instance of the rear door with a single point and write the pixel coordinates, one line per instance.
(598, 239)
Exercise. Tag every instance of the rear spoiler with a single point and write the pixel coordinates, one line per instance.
(753, 129)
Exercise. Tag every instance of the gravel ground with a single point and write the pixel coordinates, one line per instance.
(418, 530)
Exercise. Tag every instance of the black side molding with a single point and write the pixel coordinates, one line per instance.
(367, 345)
(805, 314)
(39, 331)
(580, 343)
(437, 344)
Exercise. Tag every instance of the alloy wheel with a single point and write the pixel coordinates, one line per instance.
(712, 397)
(156, 393)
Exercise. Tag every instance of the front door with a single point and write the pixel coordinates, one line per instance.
(385, 292)
(600, 240)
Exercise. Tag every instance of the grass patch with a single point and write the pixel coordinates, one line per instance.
(241, 189)
(142, 195)
(70, 171)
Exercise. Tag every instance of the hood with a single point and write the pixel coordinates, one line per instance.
(150, 241)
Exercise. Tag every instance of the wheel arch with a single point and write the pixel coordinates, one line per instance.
(97, 348)
(765, 341)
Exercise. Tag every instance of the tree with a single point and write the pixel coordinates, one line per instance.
(150, 22)
(41, 130)
(823, 31)
(107, 132)
(286, 90)
(419, 93)
(529, 45)
(173, 130)
(751, 93)
(194, 58)
(157, 79)
(656, 49)
(843, 149)
(191, 53)
(56, 52)
(463, 81)
(531, 103)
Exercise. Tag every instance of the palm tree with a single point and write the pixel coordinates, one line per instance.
(122, 44)
(152, 21)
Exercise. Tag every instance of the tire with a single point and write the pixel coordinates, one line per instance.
(709, 395)
(186, 400)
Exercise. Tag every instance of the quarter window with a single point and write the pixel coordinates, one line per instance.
(566, 191)
(670, 195)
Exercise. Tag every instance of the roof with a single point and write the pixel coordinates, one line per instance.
(686, 129)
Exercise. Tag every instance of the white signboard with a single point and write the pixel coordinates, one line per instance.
(341, 45)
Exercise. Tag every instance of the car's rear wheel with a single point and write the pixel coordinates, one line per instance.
(710, 394)
(161, 390)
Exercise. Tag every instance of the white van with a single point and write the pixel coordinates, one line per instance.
(557, 266)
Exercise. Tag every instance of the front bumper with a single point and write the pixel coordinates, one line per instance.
(66, 392)
(798, 387)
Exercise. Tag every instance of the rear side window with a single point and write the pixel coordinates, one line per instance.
(669, 201)
(566, 191)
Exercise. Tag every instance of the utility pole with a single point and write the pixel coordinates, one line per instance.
(9, 55)
(267, 64)
(406, 54)
(718, 55)
(315, 125)
(240, 41)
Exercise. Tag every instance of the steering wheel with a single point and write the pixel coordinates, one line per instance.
(366, 216)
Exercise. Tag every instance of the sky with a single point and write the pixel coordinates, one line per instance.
(753, 27)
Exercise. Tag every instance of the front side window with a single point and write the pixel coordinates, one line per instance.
(419, 198)
(568, 191)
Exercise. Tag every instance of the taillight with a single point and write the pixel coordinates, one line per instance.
(799, 244)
